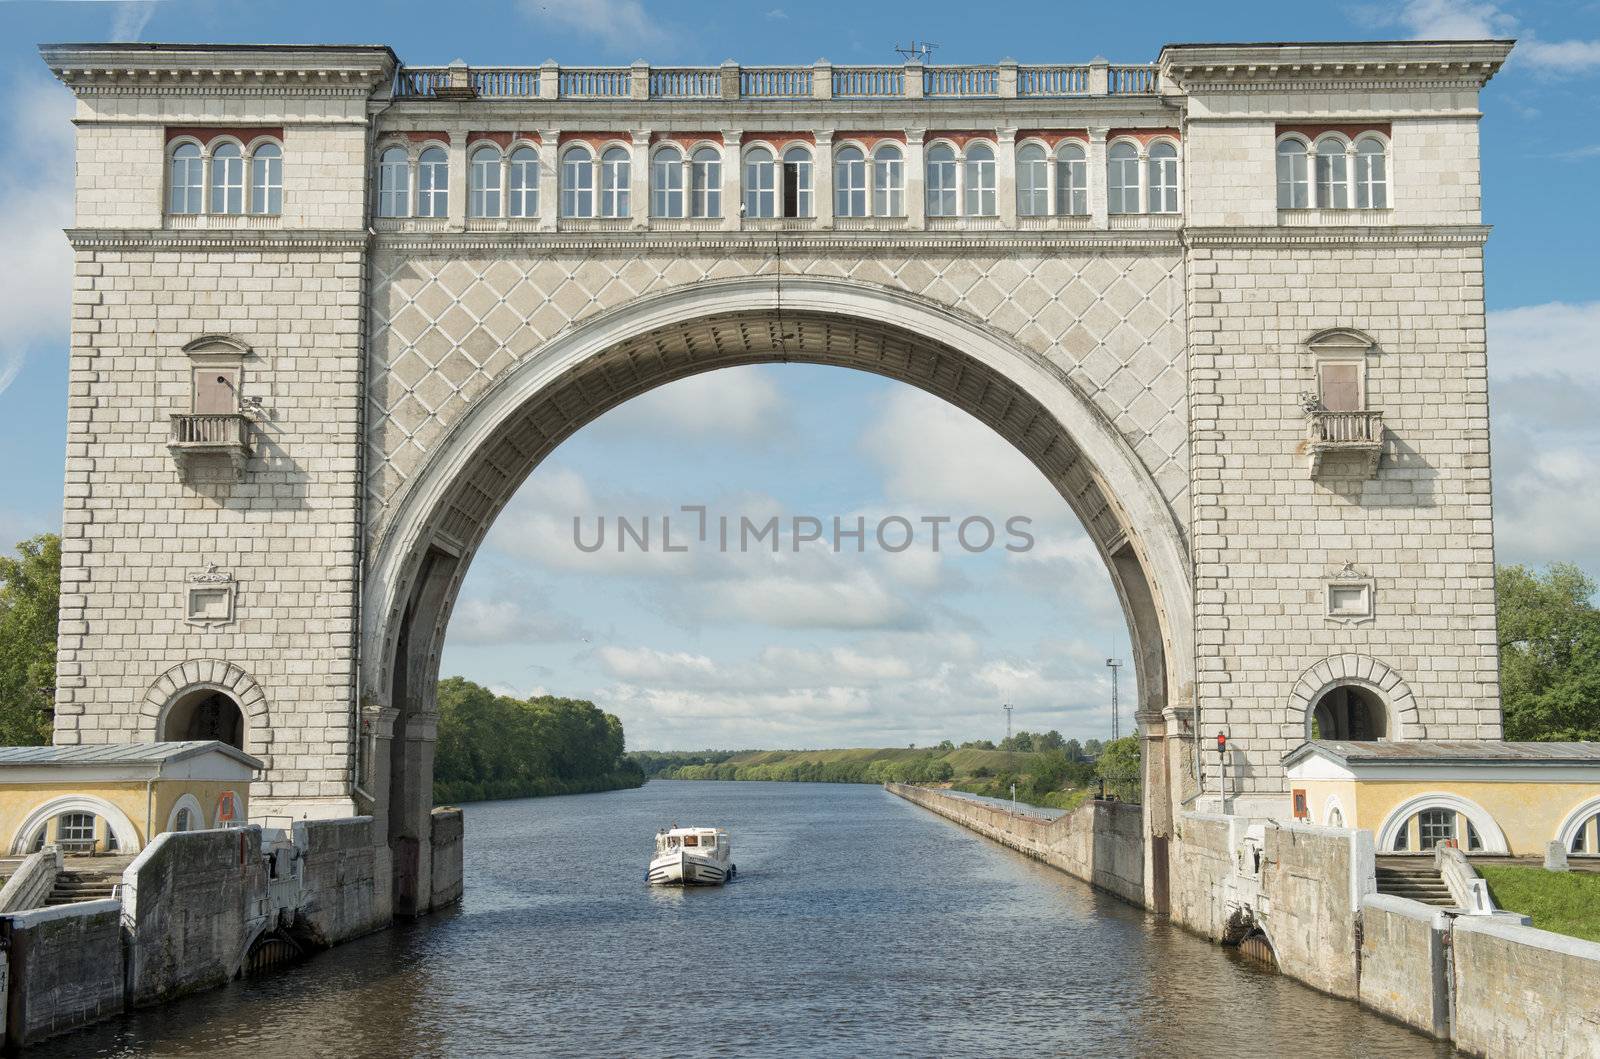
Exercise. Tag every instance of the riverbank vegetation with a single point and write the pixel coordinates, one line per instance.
(1565, 902)
(496, 746)
(1046, 769)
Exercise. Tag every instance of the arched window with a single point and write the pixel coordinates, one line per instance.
(760, 183)
(1372, 174)
(616, 174)
(266, 179)
(483, 190)
(1162, 189)
(577, 183)
(1072, 180)
(184, 821)
(204, 713)
(797, 182)
(75, 832)
(942, 181)
(433, 183)
(980, 186)
(666, 183)
(1294, 182)
(185, 179)
(1333, 182)
(888, 182)
(1586, 836)
(1033, 181)
(1437, 826)
(523, 181)
(227, 178)
(705, 183)
(1349, 711)
(394, 183)
(849, 182)
(1122, 178)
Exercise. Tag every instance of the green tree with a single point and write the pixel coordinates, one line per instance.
(30, 601)
(1118, 765)
(1549, 653)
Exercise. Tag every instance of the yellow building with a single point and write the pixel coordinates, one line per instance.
(116, 797)
(1484, 796)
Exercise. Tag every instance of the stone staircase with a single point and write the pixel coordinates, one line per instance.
(93, 880)
(1413, 877)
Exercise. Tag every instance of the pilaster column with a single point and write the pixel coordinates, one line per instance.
(639, 184)
(549, 179)
(732, 179)
(456, 207)
(1098, 199)
(1005, 172)
(822, 180)
(915, 174)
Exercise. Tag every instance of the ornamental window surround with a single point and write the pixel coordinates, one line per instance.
(869, 184)
(414, 181)
(1143, 177)
(777, 185)
(226, 176)
(1052, 184)
(1333, 171)
(961, 181)
(685, 183)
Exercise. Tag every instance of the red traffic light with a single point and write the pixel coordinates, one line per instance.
(1222, 743)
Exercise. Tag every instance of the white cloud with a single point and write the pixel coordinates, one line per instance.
(477, 622)
(1479, 20)
(130, 18)
(620, 24)
(35, 205)
(731, 405)
(777, 14)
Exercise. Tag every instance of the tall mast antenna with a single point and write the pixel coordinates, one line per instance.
(1007, 707)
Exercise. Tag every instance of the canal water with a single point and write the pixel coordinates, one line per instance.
(859, 925)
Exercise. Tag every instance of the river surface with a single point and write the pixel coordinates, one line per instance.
(859, 925)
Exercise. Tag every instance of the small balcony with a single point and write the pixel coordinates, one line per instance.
(1344, 444)
(210, 448)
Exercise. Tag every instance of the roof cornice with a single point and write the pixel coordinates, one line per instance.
(173, 69)
(1316, 66)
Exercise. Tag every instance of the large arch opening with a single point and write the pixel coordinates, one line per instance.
(204, 713)
(431, 532)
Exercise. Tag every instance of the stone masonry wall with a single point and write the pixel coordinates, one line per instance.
(1267, 536)
(1101, 843)
(1403, 962)
(134, 533)
(447, 839)
(64, 969)
(1522, 991)
(345, 878)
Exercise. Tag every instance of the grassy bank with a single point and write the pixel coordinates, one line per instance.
(1563, 902)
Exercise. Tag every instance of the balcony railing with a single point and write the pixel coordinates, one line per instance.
(1349, 442)
(225, 435)
(820, 81)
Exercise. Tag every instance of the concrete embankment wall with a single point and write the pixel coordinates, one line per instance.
(1521, 991)
(1101, 843)
(1404, 962)
(192, 905)
(64, 967)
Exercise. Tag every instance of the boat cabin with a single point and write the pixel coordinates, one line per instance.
(706, 840)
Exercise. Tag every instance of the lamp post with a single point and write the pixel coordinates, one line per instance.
(1116, 724)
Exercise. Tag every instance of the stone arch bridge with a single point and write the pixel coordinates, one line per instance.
(296, 409)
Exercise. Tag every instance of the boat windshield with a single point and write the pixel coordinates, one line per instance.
(691, 840)
(709, 840)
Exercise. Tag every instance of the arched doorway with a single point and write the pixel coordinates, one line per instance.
(204, 713)
(428, 535)
(1349, 711)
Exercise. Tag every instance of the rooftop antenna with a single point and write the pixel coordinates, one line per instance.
(917, 51)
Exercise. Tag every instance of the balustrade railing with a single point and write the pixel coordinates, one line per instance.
(1053, 81)
(775, 82)
(961, 81)
(228, 429)
(1345, 428)
(596, 82)
(868, 81)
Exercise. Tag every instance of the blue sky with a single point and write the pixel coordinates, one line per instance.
(816, 649)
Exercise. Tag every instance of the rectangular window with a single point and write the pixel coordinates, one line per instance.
(76, 831)
(1435, 827)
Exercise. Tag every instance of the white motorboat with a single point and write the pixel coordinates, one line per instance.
(692, 856)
